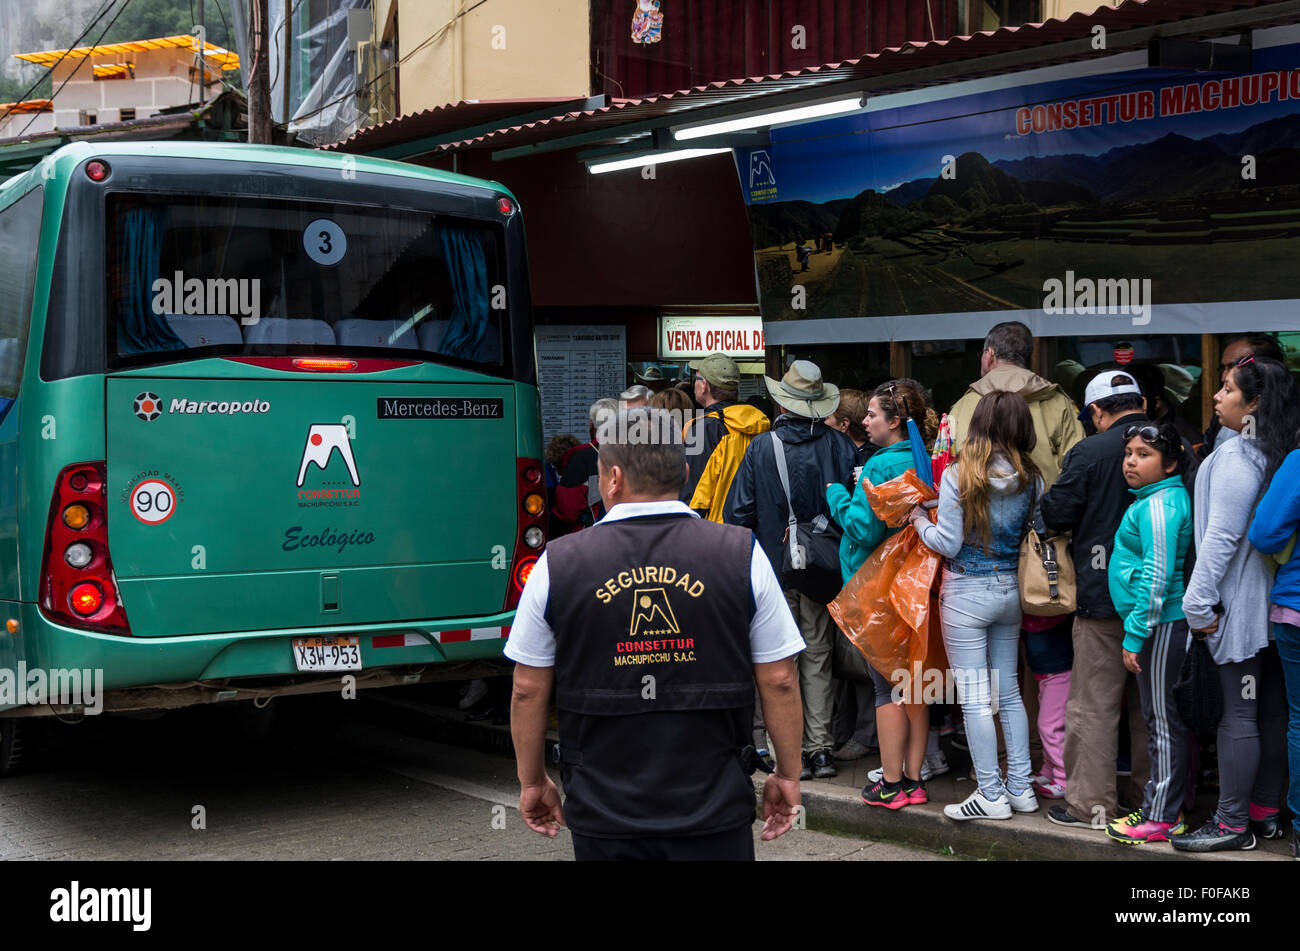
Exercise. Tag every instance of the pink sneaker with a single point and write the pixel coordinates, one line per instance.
(1048, 790)
(1135, 829)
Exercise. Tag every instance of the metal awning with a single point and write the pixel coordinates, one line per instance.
(1128, 26)
(216, 55)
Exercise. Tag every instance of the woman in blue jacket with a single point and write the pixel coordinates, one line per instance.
(903, 729)
(1273, 532)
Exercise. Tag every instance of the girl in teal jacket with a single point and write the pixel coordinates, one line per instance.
(1146, 583)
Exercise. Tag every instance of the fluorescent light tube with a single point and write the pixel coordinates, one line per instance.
(798, 114)
(650, 158)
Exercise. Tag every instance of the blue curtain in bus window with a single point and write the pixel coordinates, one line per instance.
(139, 329)
(467, 266)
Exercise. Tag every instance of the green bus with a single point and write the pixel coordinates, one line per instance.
(270, 425)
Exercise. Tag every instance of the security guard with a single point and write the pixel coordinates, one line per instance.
(653, 627)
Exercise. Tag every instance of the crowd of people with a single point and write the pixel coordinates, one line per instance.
(1181, 542)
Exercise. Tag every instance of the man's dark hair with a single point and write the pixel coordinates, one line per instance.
(1266, 346)
(647, 445)
(1011, 342)
(1120, 403)
(722, 395)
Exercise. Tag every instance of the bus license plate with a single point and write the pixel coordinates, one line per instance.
(327, 653)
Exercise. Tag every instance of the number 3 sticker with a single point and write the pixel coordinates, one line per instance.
(324, 242)
(153, 501)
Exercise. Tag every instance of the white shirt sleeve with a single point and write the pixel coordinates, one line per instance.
(773, 634)
(531, 641)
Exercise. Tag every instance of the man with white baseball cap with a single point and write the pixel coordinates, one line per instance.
(1089, 499)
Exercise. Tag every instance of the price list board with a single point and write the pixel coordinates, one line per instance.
(575, 367)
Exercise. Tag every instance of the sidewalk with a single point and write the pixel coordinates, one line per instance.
(835, 805)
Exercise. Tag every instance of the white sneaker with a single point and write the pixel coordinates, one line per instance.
(935, 764)
(1025, 802)
(975, 806)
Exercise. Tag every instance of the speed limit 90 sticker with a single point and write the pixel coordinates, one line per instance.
(153, 501)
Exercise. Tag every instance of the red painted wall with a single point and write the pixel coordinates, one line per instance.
(710, 40)
(619, 240)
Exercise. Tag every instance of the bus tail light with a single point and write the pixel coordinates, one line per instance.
(78, 587)
(530, 488)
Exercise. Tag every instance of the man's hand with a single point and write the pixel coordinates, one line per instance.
(780, 802)
(540, 807)
(1131, 662)
(1206, 631)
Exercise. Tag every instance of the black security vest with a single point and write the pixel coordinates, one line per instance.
(654, 675)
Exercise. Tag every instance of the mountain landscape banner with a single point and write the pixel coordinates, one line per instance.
(1140, 201)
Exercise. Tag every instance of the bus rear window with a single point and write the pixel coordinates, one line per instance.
(267, 276)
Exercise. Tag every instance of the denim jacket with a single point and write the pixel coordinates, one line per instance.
(1008, 509)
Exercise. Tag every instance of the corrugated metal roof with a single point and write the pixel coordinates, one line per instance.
(216, 55)
(449, 118)
(909, 58)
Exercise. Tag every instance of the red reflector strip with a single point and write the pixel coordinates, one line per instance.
(399, 640)
(473, 634)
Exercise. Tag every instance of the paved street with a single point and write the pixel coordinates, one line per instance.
(115, 788)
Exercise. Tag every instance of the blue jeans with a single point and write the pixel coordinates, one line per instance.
(1288, 648)
(981, 631)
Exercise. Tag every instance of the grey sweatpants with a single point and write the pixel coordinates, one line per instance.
(1169, 745)
(1252, 737)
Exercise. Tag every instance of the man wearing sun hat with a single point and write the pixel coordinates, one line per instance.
(815, 455)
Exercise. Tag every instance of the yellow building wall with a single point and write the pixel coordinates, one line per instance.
(516, 49)
(1060, 9)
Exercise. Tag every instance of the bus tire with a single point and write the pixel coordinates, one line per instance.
(11, 745)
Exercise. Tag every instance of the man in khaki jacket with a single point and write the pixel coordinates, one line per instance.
(1007, 351)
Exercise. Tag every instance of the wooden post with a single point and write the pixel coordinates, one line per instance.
(900, 359)
(1210, 356)
(259, 83)
(772, 358)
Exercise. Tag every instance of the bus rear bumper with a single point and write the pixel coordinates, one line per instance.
(242, 664)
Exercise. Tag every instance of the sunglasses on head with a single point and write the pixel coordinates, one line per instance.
(1149, 435)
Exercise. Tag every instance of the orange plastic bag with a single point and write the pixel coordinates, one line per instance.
(885, 610)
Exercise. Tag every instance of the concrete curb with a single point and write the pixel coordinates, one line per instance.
(841, 811)
(1024, 836)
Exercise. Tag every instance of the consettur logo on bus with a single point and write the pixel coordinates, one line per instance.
(196, 297)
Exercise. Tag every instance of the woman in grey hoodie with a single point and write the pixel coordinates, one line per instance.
(1227, 599)
(984, 501)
